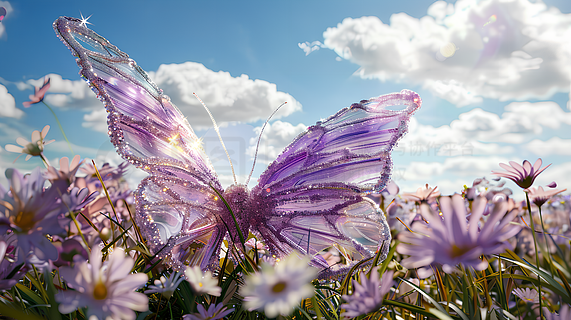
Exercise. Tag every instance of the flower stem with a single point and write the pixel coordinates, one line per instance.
(547, 255)
(46, 162)
(60, 127)
(536, 252)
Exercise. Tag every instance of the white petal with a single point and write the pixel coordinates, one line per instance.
(45, 131)
(13, 148)
(36, 136)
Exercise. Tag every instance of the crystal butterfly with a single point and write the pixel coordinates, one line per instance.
(312, 197)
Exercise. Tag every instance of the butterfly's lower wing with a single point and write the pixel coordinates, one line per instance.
(316, 186)
(151, 133)
(180, 221)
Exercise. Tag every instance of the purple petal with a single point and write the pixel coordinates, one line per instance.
(528, 169)
(518, 167)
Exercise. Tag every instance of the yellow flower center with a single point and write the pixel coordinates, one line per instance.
(24, 220)
(200, 284)
(100, 291)
(458, 251)
(279, 287)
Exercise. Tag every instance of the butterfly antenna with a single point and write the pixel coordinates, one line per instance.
(260, 138)
(219, 136)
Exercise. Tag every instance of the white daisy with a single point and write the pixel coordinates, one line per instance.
(34, 148)
(527, 295)
(202, 282)
(166, 286)
(277, 290)
(107, 290)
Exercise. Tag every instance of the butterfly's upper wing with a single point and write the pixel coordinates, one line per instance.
(175, 204)
(316, 186)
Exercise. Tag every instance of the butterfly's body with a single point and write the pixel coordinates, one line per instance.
(247, 207)
(311, 198)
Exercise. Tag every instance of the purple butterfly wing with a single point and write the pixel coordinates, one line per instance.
(316, 186)
(176, 204)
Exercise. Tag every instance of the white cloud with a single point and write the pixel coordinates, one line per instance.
(8, 105)
(478, 132)
(463, 170)
(308, 47)
(553, 146)
(227, 180)
(61, 148)
(96, 120)
(453, 91)
(10, 133)
(229, 98)
(470, 148)
(275, 138)
(510, 49)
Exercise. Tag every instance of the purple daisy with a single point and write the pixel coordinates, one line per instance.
(539, 196)
(368, 295)
(214, 312)
(564, 313)
(451, 239)
(9, 261)
(523, 175)
(31, 212)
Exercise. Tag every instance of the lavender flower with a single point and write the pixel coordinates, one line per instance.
(31, 212)
(66, 173)
(423, 194)
(564, 313)
(523, 175)
(106, 171)
(69, 250)
(404, 211)
(368, 295)
(540, 196)
(485, 188)
(455, 240)
(214, 312)
(8, 262)
(77, 199)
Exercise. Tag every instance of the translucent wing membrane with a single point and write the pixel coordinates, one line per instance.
(179, 220)
(352, 146)
(316, 185)
(175, 204)
(147, 129)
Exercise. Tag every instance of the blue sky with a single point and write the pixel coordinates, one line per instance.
(494, 77)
